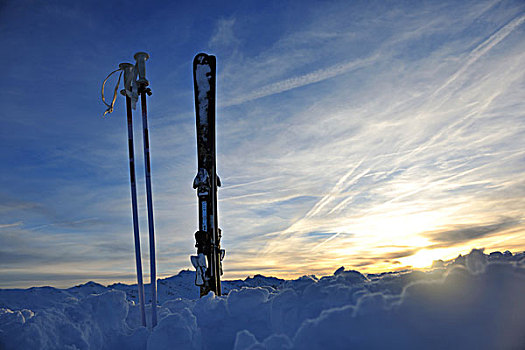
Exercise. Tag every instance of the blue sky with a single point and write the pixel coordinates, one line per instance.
(369, 135)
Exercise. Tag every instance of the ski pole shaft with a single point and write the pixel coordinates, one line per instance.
(147, 166)
(133, 182)
(215, 231)
(128, 75)
(215, 218)
(141, 58)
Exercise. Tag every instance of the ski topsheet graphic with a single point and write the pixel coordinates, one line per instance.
(208, 261)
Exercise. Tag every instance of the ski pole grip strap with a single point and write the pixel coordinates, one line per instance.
(110, 106)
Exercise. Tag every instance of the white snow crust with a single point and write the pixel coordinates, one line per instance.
(476, 301)
(202, 75)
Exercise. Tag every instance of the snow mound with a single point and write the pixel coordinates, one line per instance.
(475, 301)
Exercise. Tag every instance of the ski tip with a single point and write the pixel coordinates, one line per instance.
(203, 58)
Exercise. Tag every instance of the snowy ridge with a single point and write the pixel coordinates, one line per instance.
(474, 301)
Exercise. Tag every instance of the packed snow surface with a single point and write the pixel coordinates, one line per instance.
(476, 301)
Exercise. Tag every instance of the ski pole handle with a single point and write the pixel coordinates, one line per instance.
(141, 58)
(127, 68)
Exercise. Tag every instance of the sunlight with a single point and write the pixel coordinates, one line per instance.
(405, 224)
(422, 259)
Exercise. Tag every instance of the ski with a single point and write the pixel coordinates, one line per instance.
(208, 261)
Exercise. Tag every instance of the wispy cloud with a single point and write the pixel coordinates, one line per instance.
(303, 80)
(345, 67)
(404, 152)
(15, 224)
(483, 48)
(370, 124)
(466, 233)
(224, 35)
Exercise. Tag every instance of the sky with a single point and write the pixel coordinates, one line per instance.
(366, 134)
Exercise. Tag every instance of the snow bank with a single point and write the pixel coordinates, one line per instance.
(474, 302)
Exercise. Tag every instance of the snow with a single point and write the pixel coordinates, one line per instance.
(202, 77)
(476, 301)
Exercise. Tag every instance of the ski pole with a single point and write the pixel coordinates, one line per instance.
(142, 82)
(128, 76)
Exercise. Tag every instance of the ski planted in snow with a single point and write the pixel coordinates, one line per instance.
(208, 261)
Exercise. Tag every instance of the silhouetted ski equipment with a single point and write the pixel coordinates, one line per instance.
(135, 85)
(143, 89)
(128, 69)
(208, 261)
